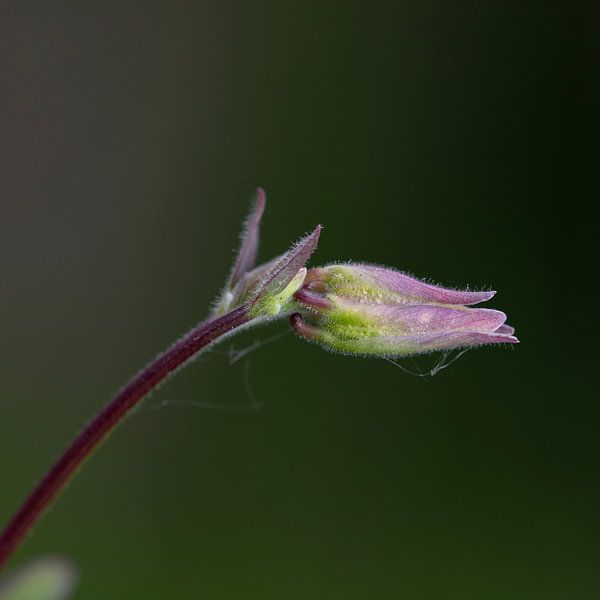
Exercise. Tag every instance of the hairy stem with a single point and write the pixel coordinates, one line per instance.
(107, 419)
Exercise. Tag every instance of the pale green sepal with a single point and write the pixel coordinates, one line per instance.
(271, 303)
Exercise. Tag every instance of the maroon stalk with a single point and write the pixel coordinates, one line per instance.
(107, 419)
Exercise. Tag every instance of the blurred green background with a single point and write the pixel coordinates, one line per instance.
(453, 140)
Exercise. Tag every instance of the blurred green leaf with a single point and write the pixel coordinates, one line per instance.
(45, 579)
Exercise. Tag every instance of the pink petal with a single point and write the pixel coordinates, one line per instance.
(412, 290)
(452, 340)
(407, 345)
(427, 319)
(505, 330)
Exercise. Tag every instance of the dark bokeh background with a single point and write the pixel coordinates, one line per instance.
(454, 140)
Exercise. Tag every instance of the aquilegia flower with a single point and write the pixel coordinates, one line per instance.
(357, 309)
(372, 310)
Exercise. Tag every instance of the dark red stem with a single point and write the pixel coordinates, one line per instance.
(107, 419)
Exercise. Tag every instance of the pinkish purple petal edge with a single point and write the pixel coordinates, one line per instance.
(411, 287)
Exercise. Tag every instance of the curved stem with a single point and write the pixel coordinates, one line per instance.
(108, 418)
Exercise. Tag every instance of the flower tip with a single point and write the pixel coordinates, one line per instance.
(312, 300)
(317, 232)
(303, 249)
(499, 338)
(471, 298)
(260, 200)
(505, 330)
(304, 330)
(308, 244)
(505, 334)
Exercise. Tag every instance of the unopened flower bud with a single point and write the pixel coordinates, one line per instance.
(377, 311)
